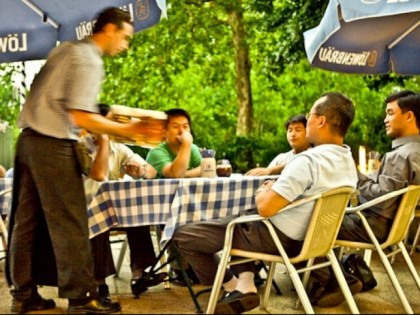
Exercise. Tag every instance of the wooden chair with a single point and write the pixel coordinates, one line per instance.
(409, 197)
(325, 222)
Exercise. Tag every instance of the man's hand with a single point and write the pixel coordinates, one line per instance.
(101, 139)
(259, 171)
(185, 137)
(135, 169)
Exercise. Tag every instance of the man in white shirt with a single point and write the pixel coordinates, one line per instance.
(296, 137)
(329, 164)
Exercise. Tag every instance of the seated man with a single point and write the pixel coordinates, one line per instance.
(177, 157)
(296, 137)
(327, 165)
(399, 168)
(112, 161)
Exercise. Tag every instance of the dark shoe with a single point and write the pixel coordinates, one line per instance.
(34, 303)
(316, 292)
(95, 305)
(333, 296)
(258, 281)
(103, 293)
(140, 285)
(356, 266)
(237, 303)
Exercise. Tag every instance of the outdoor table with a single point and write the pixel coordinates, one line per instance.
(171, 202)
(6, 199)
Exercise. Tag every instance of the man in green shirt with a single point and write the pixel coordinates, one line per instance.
(177, 157)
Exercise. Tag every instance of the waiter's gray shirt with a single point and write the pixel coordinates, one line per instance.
(70, 79)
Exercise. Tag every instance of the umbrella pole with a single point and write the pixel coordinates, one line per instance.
(403, 35)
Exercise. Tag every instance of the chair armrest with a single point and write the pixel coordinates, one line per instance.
(256, 217)
(377, 200)
(6, 191)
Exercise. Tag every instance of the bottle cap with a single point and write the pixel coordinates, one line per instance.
(206, 153)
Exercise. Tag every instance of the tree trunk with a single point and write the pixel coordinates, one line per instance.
(243, 69)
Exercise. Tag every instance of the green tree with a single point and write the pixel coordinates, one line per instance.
(190, 60)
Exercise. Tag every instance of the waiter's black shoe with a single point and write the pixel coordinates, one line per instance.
(34, 303)
(103, 292)
(94, 305)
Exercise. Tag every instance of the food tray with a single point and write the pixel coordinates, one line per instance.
(153, 121)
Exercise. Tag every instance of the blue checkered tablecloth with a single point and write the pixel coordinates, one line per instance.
(5, 200)
(172, 202)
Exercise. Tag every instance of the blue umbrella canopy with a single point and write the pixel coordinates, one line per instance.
(24, 36)
(367, 37)
(30, 28)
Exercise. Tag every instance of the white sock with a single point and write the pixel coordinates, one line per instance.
(231, 284)
(246, 282)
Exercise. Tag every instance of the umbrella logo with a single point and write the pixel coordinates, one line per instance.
(142, 9)
(372, 58)
(13, 43)
(332, 55)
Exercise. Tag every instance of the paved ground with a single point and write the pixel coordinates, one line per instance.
(176, 300)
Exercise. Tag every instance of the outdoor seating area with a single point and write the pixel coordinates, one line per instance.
(209, 157)
(176, 299)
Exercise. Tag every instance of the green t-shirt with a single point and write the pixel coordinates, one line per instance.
(160, 156)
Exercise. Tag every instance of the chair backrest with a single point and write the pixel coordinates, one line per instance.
(327, 215)
(403, 216)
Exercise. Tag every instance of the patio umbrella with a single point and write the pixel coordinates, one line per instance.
(25, 40)
(30, 28)
(367, 36)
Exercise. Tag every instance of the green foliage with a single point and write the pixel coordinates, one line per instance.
(187, 61)
(8, 96)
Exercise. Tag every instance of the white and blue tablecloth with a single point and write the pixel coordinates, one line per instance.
(171, 202)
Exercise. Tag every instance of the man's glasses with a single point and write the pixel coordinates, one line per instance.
(310, 114)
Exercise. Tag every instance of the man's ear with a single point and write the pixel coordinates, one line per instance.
(322, 121)
(109, 29)
(411, 117)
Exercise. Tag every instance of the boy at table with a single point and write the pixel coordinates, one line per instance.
(327, 165)
(177, 157)
(113, 161)
(296, 137)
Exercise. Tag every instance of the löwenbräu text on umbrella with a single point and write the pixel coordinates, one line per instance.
(331, 55)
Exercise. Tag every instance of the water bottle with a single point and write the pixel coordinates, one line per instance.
(208, 163)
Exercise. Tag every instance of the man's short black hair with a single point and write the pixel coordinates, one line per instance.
(408, 101)
(112, 15)
(176, 112)
(296, 119)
